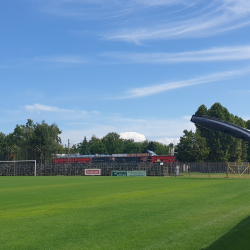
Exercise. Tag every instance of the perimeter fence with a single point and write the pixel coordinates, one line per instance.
(214, 169)
(74, 169)
(179, 169)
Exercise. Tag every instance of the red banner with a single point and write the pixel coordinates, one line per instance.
(92, 171)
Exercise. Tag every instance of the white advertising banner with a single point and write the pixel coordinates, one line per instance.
(92, 171)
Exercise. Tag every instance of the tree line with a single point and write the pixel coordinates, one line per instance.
(210, 145)
(112, 143)
(41, 141)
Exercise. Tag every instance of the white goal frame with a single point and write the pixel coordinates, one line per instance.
(22, 161)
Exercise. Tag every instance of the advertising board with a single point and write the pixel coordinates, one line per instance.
(129, 173)
(92, 171)
(136, 173)
(119, 173)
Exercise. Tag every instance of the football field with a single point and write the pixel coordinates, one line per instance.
(81, 212)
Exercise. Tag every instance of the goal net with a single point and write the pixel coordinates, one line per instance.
(19, 167)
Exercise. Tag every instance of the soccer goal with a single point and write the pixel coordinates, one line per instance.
(238, 169)
(11, 167)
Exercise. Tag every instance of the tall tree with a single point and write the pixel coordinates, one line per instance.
(113, 143)
(84, 147)
(3, 147)
(223, 147)
(192, 147)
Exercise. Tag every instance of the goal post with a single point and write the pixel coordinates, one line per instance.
(21, 161)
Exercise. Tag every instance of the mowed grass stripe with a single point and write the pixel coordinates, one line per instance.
(85, 202)
(118, 212)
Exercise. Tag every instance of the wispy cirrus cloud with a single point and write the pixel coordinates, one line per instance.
(51, 61)
(97, 9)
(210, 19)
(40, 107)
(233, 53)
(141, 20)
(57, 113)
(64, 59)
(159, 88)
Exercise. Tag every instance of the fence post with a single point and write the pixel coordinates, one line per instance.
(227, 169)
(208, 169)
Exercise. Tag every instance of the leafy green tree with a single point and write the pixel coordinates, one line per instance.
(152, 145)
(46, 139)
(113, 143)
(223, 147)
(84, 147)
(35, 141)
(247, 143)
(144, 146)
(3, 147)
(161, 149)
(98, 148)
(129, 146)
(192, 147)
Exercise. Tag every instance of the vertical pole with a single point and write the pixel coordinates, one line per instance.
(227, 170)
(26, 157)
(75, 159)
(243, 151)
(68, 149)
(42, 157)
(208, 169)
(136, 154)
(35, 169)
(14, 164)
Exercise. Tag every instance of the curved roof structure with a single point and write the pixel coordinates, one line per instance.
(222, 126)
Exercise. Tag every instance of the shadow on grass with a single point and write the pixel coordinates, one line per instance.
(236, 239)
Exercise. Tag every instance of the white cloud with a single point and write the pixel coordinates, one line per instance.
(214, 54)
(141, 20)
(159, 88)
(65, 59)
(55, 113)
(137, 137)
(215, 17)
(186, 117)
(40, 107)
(150, 127)
(75, 126)
(190, 28)
(238, 6)
(167, 140)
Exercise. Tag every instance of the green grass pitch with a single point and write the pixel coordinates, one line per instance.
(124, 213)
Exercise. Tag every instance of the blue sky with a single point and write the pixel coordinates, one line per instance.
(141, 66)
